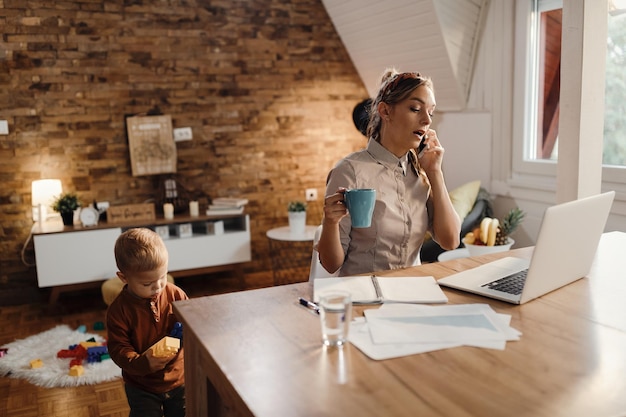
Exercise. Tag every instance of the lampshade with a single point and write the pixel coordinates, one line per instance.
(44, 192)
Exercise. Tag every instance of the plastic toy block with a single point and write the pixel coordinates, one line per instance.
(98, 325)
(95, 353)
(36, 363)
(3, 351)
(66, 353)
(97, 350)
(76, 362)
(82, 328)
(177, 331)
(77, 370)
(105, 356)
(75, 351)
(81, 352)
(165, 347)
(88, 344)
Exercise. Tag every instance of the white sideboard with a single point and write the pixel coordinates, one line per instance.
(69, 255)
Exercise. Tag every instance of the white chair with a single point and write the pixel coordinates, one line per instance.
(317, 270)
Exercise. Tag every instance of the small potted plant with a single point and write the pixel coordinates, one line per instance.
(296, 211)
(65, 204)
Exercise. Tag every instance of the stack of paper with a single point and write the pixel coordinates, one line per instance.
(226, 205)
(396, 330)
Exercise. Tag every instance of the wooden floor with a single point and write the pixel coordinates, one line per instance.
(19, 398)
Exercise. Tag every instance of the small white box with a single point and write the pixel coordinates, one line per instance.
(163, 231)
(184, 230)
(214, 228)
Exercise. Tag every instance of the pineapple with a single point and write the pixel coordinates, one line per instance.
(509, 223)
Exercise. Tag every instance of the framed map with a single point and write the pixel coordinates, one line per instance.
(151, 145)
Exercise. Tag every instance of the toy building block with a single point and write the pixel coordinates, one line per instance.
(82, 328)
(165, 347)
(76, 362)
(36, 363)
(66, 353)
(88, 344)
(98, 325)
(3, 351)
(177, 331)
(75, 351)
(95, 353)
(76, 370)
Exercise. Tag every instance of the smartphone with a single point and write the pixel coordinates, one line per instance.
(421, 146)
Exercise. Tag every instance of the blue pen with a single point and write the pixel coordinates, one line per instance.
(310, 305)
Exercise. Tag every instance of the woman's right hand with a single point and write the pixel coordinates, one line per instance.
(335, 207)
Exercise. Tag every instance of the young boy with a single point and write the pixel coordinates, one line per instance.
(140, 316)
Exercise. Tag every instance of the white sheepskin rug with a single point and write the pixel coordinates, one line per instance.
(55, 371)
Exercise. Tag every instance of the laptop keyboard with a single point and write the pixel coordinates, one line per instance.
(512, 284)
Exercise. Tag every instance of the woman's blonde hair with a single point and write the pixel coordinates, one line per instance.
(140, 250)
(394, 87)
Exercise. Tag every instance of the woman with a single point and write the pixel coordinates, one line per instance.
(411, 195)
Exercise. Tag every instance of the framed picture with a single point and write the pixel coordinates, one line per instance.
(151, 145)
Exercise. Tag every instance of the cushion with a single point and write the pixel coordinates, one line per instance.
(464, 197)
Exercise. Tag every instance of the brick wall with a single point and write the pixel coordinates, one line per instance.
(265, 85)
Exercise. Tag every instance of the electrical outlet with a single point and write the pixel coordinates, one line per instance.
(310, 194)
(182, 133)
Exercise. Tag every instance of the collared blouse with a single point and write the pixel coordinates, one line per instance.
(401, 213)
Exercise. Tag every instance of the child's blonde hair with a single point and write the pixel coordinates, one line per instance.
(140, 250)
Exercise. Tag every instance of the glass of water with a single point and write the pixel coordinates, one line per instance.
(335, 316)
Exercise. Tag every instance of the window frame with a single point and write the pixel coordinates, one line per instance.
(526, 172)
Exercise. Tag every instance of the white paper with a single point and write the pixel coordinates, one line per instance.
(443, 326)
(360, 337)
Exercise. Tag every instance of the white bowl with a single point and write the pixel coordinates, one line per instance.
(477, 250)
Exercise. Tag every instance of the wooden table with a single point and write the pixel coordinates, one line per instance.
(259, 353)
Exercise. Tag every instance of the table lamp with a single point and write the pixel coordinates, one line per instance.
(44, 192)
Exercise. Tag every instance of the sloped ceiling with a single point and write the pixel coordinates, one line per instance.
(438, 38)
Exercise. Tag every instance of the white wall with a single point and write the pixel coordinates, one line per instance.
(466, 137)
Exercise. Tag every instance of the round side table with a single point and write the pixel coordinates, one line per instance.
(290, 254)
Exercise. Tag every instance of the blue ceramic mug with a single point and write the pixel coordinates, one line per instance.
(360, 203)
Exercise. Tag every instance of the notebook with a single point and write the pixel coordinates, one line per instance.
(566, 245)
(376, 290)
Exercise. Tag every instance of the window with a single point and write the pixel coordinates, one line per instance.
(544, 75)
(547, 27)
(614, 152)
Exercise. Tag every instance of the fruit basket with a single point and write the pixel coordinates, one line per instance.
(493, 235)
(477, 250)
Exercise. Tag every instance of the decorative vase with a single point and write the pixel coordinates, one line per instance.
(68, 218)
(297, 222)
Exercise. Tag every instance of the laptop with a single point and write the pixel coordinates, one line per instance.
(566, 245)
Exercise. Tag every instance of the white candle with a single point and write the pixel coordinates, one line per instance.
(168, 211)
(194, 209)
